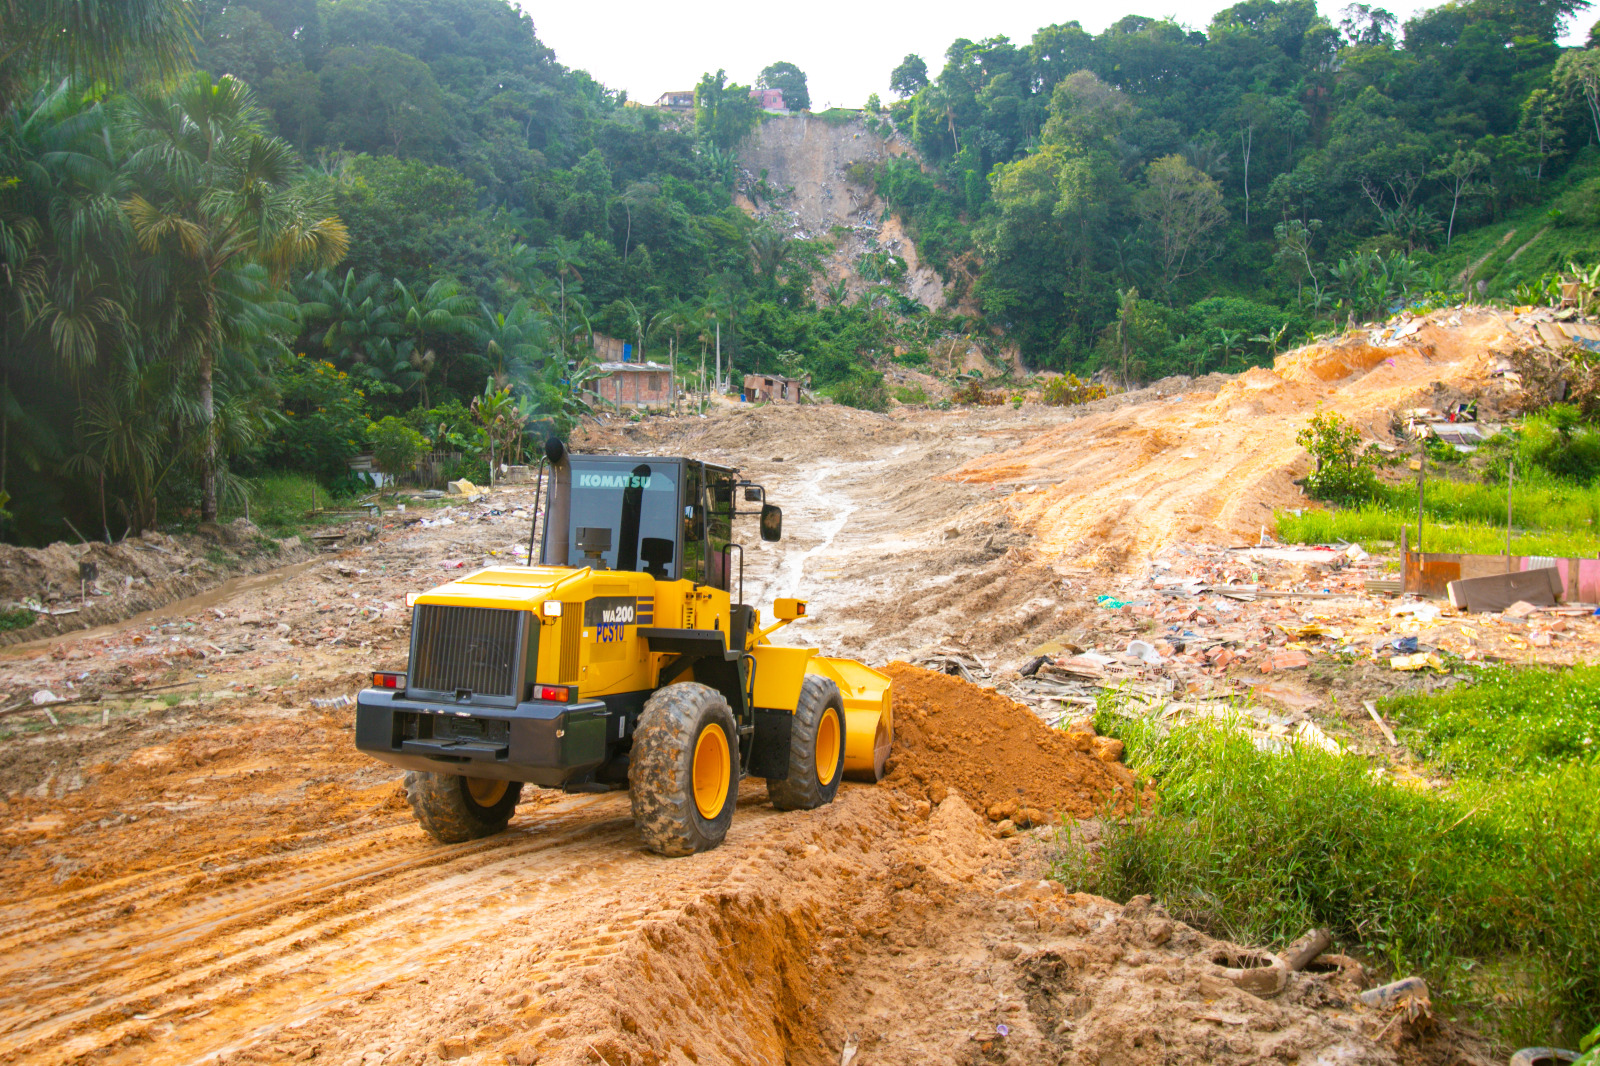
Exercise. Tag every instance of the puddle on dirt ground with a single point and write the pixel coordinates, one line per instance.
(224, 592)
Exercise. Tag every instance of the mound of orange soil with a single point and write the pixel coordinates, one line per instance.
(951, 735)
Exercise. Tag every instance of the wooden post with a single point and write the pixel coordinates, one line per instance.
(1422, 484)
(1511, 473)
(1405, 552)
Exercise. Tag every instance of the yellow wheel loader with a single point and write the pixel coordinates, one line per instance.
(625, 658)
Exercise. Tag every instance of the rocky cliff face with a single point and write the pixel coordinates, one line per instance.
(806, 165)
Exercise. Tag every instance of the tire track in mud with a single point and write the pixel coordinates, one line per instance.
(280, 948)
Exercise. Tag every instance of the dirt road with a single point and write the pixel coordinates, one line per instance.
(203, 870)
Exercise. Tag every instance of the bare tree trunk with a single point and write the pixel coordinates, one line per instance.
(1249, 140)
(208, 464)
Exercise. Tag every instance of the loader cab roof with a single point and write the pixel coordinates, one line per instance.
(668, 516)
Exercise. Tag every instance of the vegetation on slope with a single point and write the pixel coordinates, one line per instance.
(1113, 183)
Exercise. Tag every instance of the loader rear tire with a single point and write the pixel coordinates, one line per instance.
(816, 749)
(453, 808)
(683, 772)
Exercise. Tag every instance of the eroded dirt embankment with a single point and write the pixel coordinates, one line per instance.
(1210, 466)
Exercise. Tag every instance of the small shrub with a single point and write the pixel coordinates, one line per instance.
(864, 389)
(973, 394)
(396, 447)
(1344, 469)
(1068, 390)
(910, 395)
(915, 357)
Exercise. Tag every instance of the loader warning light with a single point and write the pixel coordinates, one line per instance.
(386, 679)
(557, 693)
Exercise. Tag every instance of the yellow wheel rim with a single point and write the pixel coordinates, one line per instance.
(486, 793)
(710, 771)
(828, 746)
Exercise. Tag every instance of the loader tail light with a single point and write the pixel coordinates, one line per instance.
(556, 693)
(387, 679)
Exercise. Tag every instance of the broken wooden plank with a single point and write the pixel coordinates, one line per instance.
(1372, 709)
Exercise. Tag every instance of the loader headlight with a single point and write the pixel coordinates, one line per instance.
(550, 608)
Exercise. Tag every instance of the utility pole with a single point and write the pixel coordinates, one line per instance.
(719, 355)
(1422, 484)
(1511, 474)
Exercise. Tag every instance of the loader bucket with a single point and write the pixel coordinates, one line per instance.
(868, 714)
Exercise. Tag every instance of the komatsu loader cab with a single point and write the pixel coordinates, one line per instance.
(625, 657)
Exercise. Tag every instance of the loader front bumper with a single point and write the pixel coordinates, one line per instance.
(538, 741)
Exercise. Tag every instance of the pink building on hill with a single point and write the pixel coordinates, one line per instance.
(769, 99)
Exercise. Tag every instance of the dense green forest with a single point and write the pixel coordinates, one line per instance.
(248, 238)
(1169, 200)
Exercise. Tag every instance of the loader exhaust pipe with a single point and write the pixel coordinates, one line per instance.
(558, 512)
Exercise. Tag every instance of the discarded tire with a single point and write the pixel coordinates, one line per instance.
(683, 772)
(816, 749)
(1543, 1056)
(453, 808)
(1258, 972)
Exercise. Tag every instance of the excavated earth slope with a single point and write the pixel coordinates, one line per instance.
(1211, 466)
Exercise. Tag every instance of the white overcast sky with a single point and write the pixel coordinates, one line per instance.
(847, 49)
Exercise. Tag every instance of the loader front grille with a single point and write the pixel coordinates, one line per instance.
(472, 648)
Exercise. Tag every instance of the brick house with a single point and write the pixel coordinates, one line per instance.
(772, 388)
(634, 384)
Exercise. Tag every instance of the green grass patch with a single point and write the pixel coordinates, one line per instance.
(1374, 523)
(1508, 721)
(911, 394)
(1491, 888)
(21, 618)
(837, 116)
(279, 503)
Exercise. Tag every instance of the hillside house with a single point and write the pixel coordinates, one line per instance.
(634, 384)
(772, 388)
(770, 100)
(676, 101)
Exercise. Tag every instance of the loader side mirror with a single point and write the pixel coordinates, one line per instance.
(771, 522)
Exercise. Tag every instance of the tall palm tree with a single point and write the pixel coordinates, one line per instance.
(358, 315)
(442, 311)
(637, 321)
(515, 342)
(93, 40)
(566, 256)
(214, 196)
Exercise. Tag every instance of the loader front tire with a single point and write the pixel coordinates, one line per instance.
(683, 772)
(816, 749)
(453, 808)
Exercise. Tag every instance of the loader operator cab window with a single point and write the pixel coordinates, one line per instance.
(707, 524)
(638, 503)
